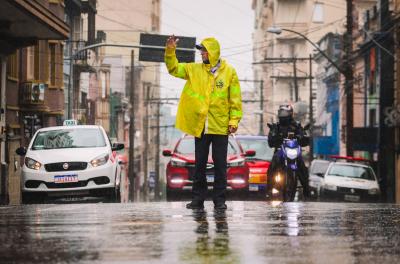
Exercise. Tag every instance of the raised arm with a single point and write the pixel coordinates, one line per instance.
(174, 67)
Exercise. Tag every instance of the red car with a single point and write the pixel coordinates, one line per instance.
(259, 163)
(180, 169)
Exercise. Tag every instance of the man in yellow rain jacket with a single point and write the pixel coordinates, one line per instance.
(210, 108)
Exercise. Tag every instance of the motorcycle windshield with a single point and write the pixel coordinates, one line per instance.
(291, 144)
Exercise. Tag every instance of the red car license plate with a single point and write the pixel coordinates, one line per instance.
(210, 178)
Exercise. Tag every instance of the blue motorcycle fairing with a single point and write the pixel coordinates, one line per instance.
(291, 144)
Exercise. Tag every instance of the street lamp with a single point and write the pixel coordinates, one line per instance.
(278, 30)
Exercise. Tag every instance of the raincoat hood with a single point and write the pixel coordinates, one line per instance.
(213, 49)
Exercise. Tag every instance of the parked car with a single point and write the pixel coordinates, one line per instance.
(317, 171)
(74, 160)
(258, 164)
(181, 167)
(350, 180)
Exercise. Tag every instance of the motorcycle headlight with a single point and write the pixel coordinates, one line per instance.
(330, 187)
(291, 153)
(373, 191)
(100, 160)
(278, 178)
(236, 163)
(177, 162)
(32, 164)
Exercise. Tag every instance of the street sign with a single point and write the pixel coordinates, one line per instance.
(157, 55)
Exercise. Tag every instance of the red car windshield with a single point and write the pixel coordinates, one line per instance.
(263, 151)
(186, 146)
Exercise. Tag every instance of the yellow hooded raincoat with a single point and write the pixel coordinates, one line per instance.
(210, 101)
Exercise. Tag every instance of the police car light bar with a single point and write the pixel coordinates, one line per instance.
(336, 157)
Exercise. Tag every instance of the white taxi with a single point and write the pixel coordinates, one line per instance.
(70, 160)
(350, 181)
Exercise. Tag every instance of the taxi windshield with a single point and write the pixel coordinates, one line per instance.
(69, 138)
(352, 172)
(260, 146)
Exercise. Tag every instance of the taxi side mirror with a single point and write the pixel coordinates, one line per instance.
(117, 146)
(21, 151)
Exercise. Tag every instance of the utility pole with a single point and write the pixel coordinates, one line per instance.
(349, 79)
(311, 113)
(296, 86)
(146, 122)
(131, 169)
(157, 183)
(386, 135)
(261, 128)
(295, 77)
(70, 80)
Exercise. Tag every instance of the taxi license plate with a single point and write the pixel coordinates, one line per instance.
(253, 187)
(210, 178)
(66, 178)
(352, 198)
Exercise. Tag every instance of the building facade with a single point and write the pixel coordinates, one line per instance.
(31, 80)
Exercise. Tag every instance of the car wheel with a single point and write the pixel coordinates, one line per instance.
(114, 196)
(118, 195)
(32, 198)
(172, 195)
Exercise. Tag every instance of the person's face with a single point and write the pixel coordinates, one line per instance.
(204, 54)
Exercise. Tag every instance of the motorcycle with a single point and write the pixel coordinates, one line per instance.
(284, 180)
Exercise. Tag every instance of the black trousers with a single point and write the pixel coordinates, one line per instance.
(219, 155)
(302, 173)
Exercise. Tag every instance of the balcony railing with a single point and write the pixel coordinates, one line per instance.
(76, 46)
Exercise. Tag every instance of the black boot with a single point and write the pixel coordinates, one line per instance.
(195, 205)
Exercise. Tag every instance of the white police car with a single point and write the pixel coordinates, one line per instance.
(70, 160)
(349, 180)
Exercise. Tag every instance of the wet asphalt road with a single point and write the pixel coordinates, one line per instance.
(248, 232)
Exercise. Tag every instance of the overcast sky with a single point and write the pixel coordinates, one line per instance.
(230, 22)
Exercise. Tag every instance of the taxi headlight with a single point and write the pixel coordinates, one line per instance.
(330, 187)
(373, 191)
(100, 160)
(32, 164)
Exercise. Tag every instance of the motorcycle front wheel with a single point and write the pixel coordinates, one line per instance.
(289, 190)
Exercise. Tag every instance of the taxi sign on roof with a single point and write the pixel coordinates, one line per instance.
(70, 122)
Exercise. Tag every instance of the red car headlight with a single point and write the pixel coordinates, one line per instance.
(236, 163)
(175, 162)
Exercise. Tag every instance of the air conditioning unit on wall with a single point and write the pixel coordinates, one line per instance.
(33, 92)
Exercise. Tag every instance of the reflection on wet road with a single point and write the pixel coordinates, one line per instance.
(248, 232)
